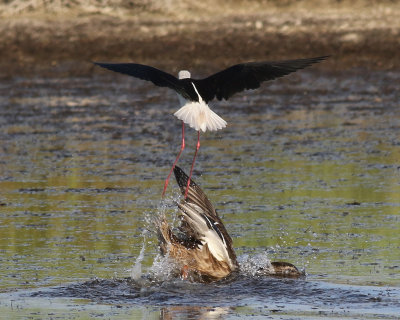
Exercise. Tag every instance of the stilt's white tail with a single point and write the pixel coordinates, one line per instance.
(199, 116)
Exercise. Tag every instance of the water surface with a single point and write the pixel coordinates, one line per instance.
(307, 171)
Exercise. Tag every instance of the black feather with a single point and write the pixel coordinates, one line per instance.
(244, 76)
(156, 76)
(221, 85)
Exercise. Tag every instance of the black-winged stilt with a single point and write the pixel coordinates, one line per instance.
(194, 94)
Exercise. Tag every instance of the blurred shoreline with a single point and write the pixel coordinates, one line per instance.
(360, 35)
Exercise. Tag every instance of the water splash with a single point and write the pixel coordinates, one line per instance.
(251, 265)
(162, 268)
(136, 271)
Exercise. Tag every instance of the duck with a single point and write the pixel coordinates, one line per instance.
(201, 247)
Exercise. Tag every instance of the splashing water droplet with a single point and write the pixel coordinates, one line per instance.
(162, 268)
(136, 271)
(252, 265)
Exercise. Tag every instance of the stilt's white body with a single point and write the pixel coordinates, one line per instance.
(198, 115)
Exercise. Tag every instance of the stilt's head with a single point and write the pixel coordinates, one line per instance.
(183, 74)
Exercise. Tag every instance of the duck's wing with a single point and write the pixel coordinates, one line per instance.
(240, 77)
(201, 220)
(208, 232)
(158, 77)
(195, 195)
(188, 238)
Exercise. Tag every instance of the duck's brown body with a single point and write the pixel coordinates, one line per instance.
(197, 263)
(202, 250)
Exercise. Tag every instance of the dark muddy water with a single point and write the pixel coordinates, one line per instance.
(307, 171)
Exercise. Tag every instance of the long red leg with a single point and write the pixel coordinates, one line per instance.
(176, 160)
(194, 159)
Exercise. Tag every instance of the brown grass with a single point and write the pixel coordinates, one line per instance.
(181, 8)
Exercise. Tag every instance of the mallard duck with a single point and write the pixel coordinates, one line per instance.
(202, 248)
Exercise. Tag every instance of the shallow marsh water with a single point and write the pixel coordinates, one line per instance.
(307, 171)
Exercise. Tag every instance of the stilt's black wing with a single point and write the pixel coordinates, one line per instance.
(237, 78)
(158, 77)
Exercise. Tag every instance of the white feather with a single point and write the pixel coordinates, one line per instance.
(198, 115)
(215, 244)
